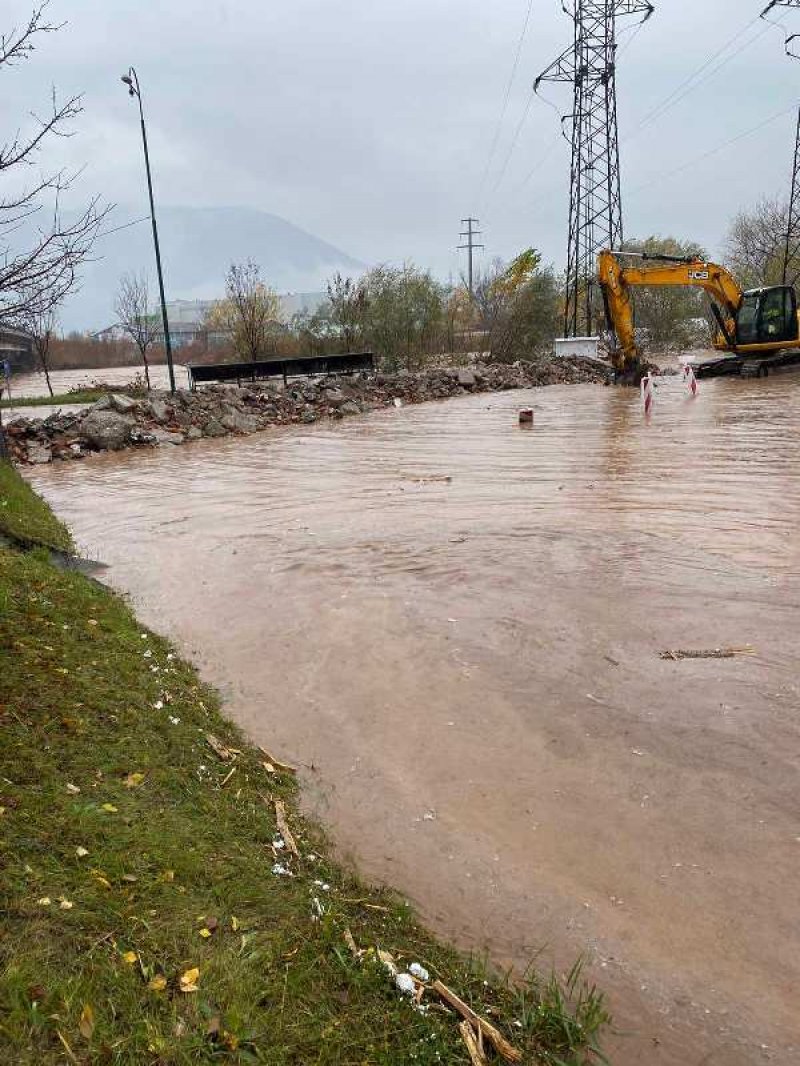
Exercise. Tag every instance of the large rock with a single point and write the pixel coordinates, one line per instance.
(124, 404)
(236, 422)
(467, 378)
(350, 407)
(213, 428)
(39, 452)
(107, 430)
(163, 436)
(158, 410)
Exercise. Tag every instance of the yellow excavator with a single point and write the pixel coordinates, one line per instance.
(758, 328)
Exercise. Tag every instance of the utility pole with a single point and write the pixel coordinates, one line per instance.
(132, 81)
(791, 248)
(470, 234)
(595, 204)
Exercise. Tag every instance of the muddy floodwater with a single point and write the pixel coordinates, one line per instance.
(455, 626)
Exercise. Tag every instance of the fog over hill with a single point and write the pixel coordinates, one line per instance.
(198, 245)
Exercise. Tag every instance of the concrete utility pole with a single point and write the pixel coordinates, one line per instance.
(470, 234)
(791, 250)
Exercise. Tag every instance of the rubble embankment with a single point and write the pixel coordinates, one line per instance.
(118, 421)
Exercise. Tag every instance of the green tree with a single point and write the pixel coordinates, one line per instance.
(403, 315)
(518, 305)
(346, 314)
(674, 316)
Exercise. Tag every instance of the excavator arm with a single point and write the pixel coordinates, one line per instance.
(616, 282)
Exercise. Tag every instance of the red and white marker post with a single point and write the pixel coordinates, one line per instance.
(647, 394)
(689, 379)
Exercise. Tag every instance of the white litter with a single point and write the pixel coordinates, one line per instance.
(159, 704)
(405, 982)
(147, 654)
(281, 871)
(419, 972)
(397, 401)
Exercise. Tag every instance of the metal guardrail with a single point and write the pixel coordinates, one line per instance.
(263, 369)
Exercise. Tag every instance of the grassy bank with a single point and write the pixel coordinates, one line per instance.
(61, 398)
(25, 516)
(146, 914)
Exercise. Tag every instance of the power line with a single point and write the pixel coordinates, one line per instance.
(714, 151)
(511, 149)
(125, 225)
(506, 97)
(690, 83)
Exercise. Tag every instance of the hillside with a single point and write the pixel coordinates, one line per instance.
(197, 246)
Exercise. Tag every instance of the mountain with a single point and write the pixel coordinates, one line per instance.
(198, 244)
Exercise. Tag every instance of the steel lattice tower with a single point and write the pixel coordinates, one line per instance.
(791, 249)
(595, 205)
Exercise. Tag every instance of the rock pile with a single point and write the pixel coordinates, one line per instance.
(118, 421)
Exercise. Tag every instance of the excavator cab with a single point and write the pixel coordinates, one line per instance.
(767, 316)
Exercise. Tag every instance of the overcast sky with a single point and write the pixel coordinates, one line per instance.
(370, 124)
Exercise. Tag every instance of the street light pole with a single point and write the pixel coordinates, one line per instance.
(132, 81)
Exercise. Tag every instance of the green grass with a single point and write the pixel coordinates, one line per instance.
(114, 808)
(25, 516)
(76, 396)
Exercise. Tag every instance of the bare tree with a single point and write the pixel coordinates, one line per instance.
(247, 311)
(36, 277)
(756, 244)
(132, 311)
(42, 330)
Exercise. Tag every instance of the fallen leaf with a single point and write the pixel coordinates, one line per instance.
(100, 879)
(110, 808)
(168, 875)
(45, 901)
(130, 957)
(157, 983)
(188, 981)
(86, 1024)
(130, 878)
(234, 923)
(72, 789)
(81, 852)
(134, 779)
(66, 904)
(91, 621)
(205, 933)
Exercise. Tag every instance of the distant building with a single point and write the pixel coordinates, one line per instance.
(187, 320)
(17, 347)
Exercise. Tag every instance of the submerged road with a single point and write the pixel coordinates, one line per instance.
(459, 624)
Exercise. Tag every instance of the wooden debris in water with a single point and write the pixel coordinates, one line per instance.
(706, 653)
(474, 1049)
(273, 765)
(486, 1029)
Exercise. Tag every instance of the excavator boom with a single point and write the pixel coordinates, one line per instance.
(616, 281)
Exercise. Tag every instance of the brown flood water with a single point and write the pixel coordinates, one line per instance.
(458, 623)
